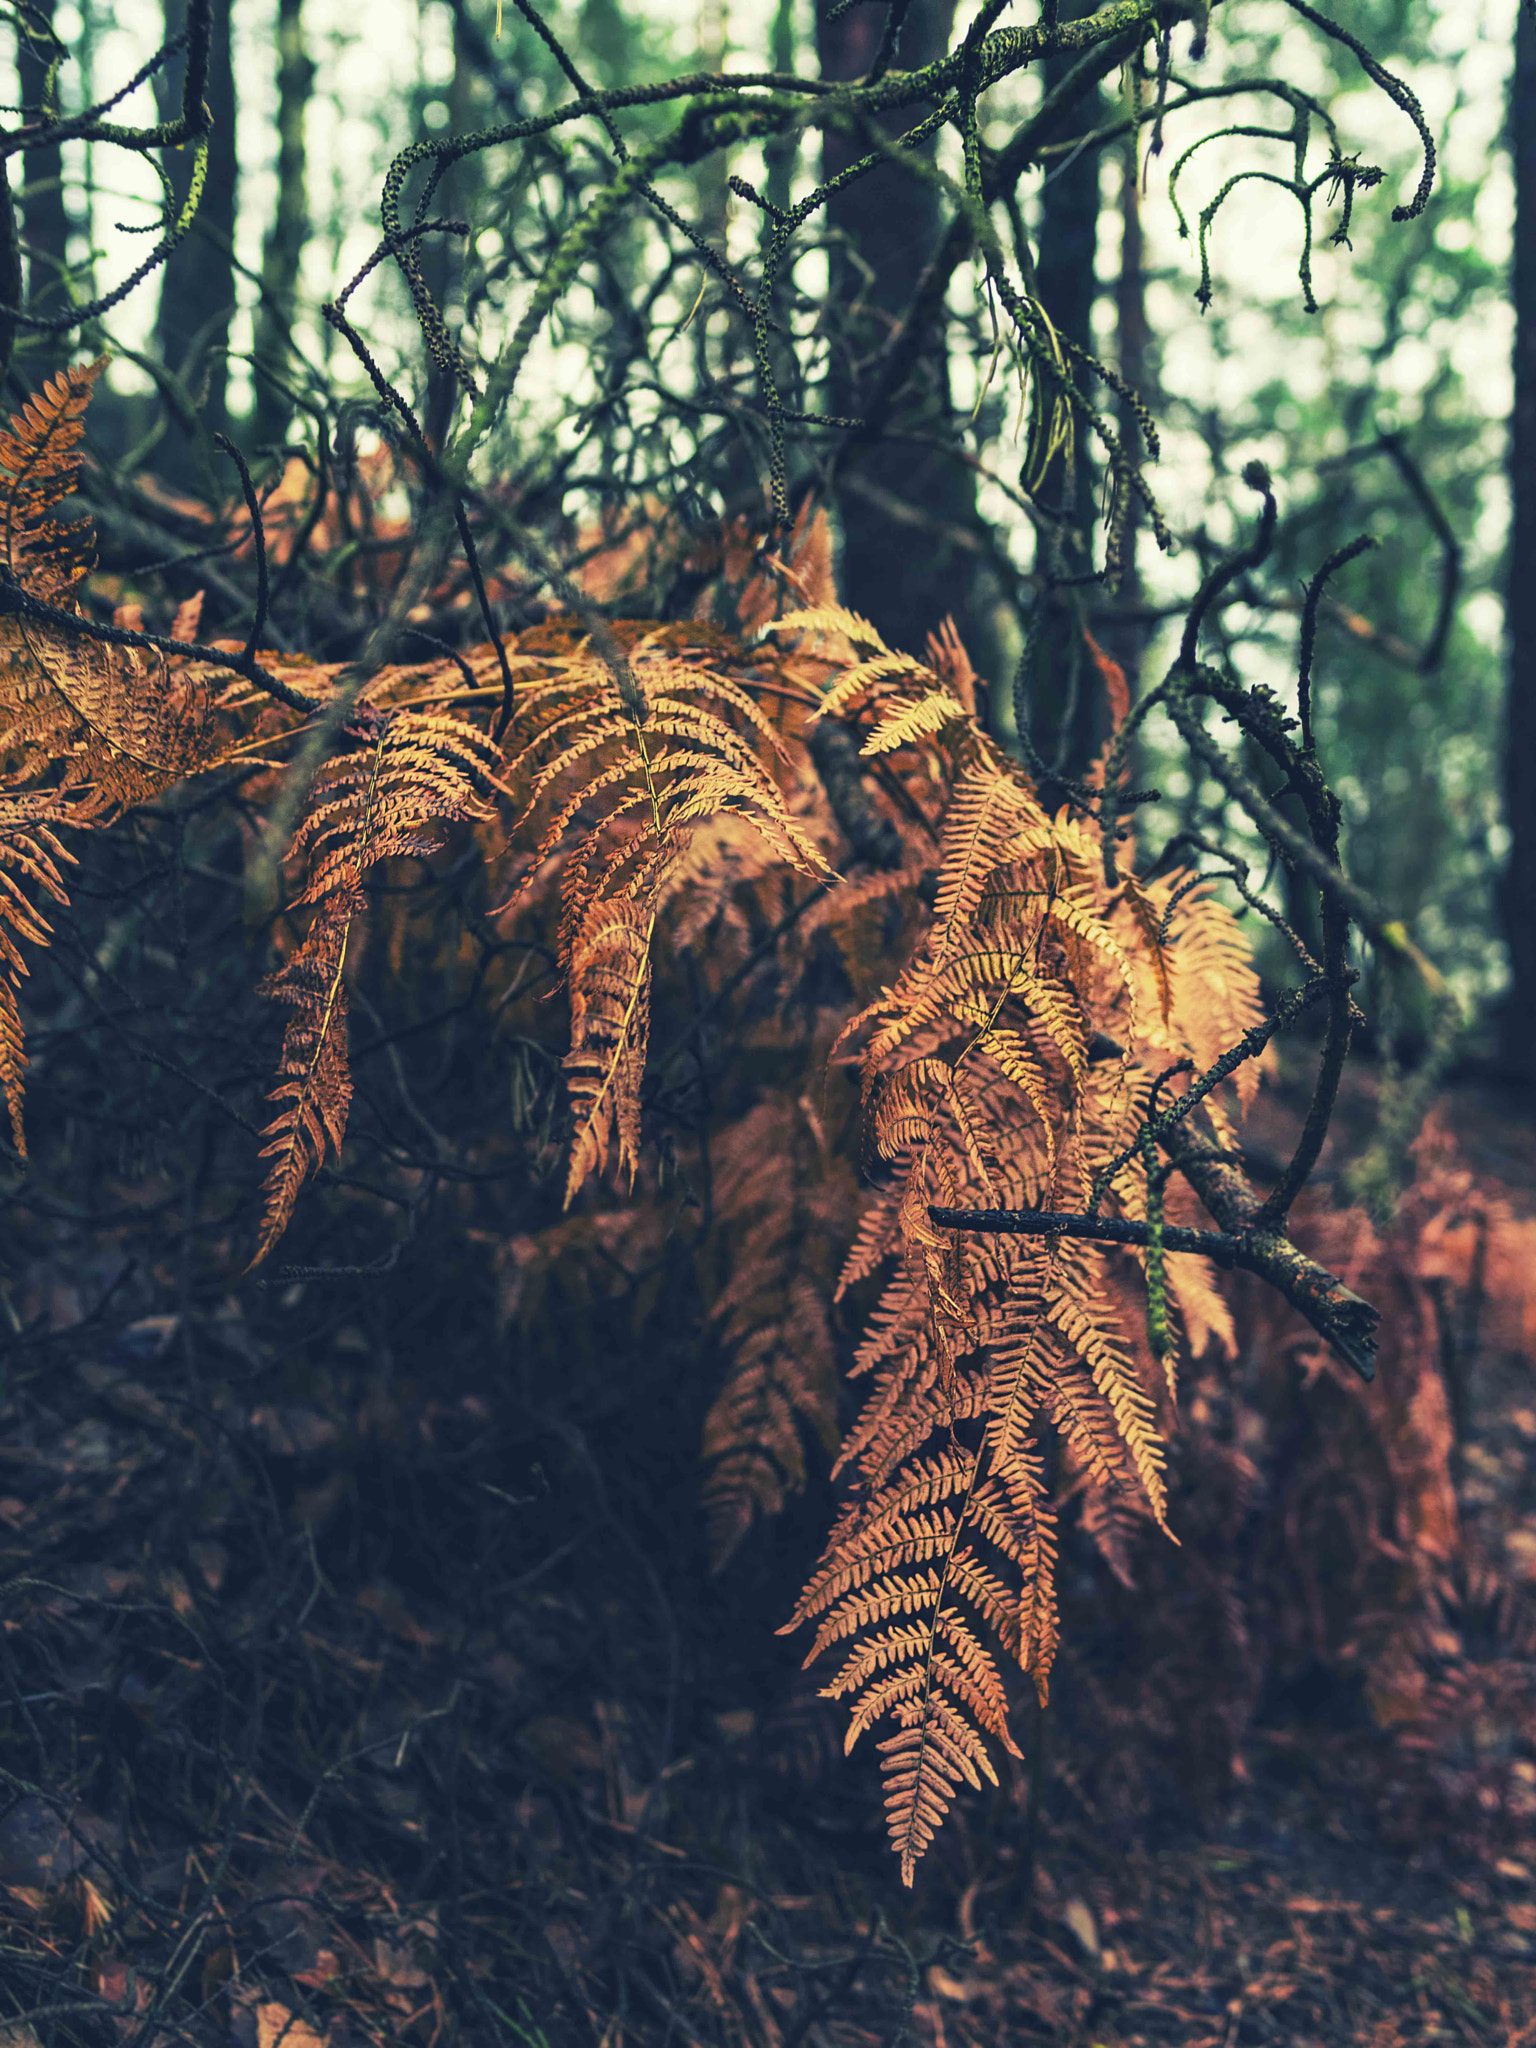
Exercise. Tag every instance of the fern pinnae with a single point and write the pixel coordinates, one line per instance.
(416, 772)
(982, 816)
(862, 677)
(313, 1090)
(829, 619)
(30, 851)
(1147, 920)
(607, 1056)
(910, 723)
(1114, 1375)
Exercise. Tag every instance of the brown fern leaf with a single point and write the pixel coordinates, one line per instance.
(1115, 686)
(117, 724)
(637, 764)
(1215, 983)
(31, 852)
(610, 982)
(39, 467)
(409, 773)
(1147, 919)
(313, 1090)
(722, 871)
(980, 1090)
(771, 1317)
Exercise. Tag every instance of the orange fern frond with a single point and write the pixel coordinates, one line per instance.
(771, 1318)
(30, 852)
(639, 763)
(984, 1086)
(1215, 983)
(610, 982)
(409, 774)
(117, 724)
(313, 1090)
(1147, 919)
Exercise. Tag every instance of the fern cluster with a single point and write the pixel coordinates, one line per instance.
(1008, 1065)
(658, 780)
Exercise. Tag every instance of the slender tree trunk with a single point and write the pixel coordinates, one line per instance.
(1133, 354)
(442, 255)
(1519, 883)
(197, 289)
(1070, 712)
(711, 175)
(44, 216)
(282, 252)
(906, 511)
(779, 154)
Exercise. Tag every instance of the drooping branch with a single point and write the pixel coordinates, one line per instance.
(1336, 1312)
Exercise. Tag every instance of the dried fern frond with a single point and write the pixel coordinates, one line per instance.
(981, 1086)
(1215, 994)
(32, 853)
(610, 1026)
(831, 621)
(313, 1090)
(980, 1091)
(408, 774)
(771, 1317)
(117, 724)
(39, 468)
(637, 763)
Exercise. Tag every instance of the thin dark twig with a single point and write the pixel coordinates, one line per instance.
(15, 600)
(1450, 547)
(258, 540)
(1256, 476)
(1315, 588)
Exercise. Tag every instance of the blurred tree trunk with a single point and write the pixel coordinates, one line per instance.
(778, 154)
(1519, 884)
(1069, 709)
(442, 255)
(197, 284)
(282, 253)
(906, 512)
(711, 175)
(1126, 640)
(44, 216)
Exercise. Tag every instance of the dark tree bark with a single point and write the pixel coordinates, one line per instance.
(443, 256)
(1134, 358)
(1070, 712)
(906, 512)
(44, 216)
(282, 252)
(197, 290)
(1519, 883)
(780, 156)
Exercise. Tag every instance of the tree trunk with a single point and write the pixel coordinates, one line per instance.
(1518, 895)
(1069, 710)
(710, 176)
(906, 511)
(197, 288)
(778, 154)
(44, 216)
(282, 251)
(442, 256)
(1126, 642)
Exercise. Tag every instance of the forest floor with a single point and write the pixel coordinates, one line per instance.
(341, 1705)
